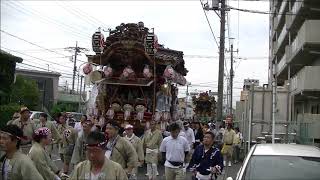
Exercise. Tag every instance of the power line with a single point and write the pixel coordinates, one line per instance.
(35, 44)
(42, 68)
(258, 12)
(39, 14)
(37, 50)
(72, 11)
(85, 15)
(30, 42)
(34, 57)
(71, 31)
(216, 57)
(214, 37)
(35, 66)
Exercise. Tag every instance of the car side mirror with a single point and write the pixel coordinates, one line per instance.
(229, 178)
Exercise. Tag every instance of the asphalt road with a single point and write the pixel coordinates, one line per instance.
(228, 171)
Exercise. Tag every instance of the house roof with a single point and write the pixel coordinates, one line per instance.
(28, 71)
(8, 56)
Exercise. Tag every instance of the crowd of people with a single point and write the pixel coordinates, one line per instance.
(112, 151)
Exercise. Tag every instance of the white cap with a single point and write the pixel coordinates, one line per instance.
(128, 126)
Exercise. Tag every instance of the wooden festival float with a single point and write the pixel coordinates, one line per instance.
(137, 77)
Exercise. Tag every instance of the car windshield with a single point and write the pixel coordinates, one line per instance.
(282, 168)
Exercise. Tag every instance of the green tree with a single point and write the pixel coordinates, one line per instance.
(25, 92)
(6, 112)
(63, 107)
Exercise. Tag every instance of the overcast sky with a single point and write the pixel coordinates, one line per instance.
(179, 25)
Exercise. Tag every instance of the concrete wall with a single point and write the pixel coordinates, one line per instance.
(262, 109)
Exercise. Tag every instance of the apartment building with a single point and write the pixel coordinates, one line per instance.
(295, 62)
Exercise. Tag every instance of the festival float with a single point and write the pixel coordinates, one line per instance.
(136, 78)
(205, 107)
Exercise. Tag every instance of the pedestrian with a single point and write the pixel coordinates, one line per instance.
(79, 153)
(206, 162)
(213, 129)
(237, 144)
(15, 116)
(227, 149)
(206, 128)
(78, 125)
(14, 165)
(151, 143)
(97, 166)
(67, 143)
(137, 144)
(189, 134)
(40, 157)
(54, 132)
(198, 134)
(119, 149)
(175, 149)
(27, 126)
(219, 137)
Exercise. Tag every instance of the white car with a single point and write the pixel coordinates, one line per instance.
(35, 116)
(281, 162)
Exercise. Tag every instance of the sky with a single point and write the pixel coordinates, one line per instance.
(38, 31)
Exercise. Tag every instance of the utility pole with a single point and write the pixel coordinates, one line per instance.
(74, 65)
(221, 59)
(80, 94)
(274, 102)
(227, 100)
(231, 77)
(76, 51)
(221, 52)
(231, 80)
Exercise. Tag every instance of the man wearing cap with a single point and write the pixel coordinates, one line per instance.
(119, 149)
(79, 154)
(151, 143)
(40, 157)
(137, 144)
(54, 132)
(97, 166)
(15, 165)
(27, 126)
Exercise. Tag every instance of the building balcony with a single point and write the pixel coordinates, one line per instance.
(277, 4)
(275, 24)
(281, 14)
(306, 80)
(283, 39)
(273, 52)
(303, 51)
(282, 64)
(295, 16)
(306, 41)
